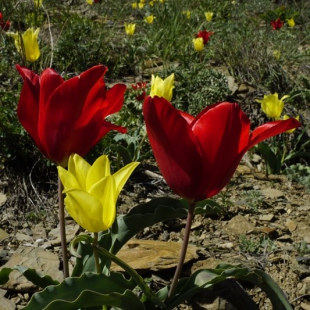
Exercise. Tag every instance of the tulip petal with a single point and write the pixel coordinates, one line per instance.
(66, 127)
(86, 210)
(114, 99)
(108, 201)
(175, 147)
(67, 179)
(223, 132)
(79, 167)
(28, 105)
(99, 170)
(122, 175)
(271, 129)
(49, 81)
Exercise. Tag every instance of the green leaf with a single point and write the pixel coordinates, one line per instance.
(30, 274)
(35, 277)
(89, 290)
(273, 160)
(206, 278)
(4, 275)
(134, 276)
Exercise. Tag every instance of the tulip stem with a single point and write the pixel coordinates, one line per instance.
(96, 256)
(61, 214)
(190, 217)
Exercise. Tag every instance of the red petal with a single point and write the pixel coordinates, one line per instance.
(28, 105)
(271, 129)
(223, 132)
(49, 81)
(174, 146)
(115, 99)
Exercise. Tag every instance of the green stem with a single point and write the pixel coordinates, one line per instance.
(61, 214)
(96, 253)
(190, 217)
(133, 274)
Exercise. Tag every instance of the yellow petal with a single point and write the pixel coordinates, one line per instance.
(85, 209)
(99, 170)
(162, 88)
(79, 167)
(67, 179)
(122, 175)
(97, 189)
(108, 201)
(198, 44)
(31, 46)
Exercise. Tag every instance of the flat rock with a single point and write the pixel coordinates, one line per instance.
(291, 225)
(71, 231)
(153, 255)
(3, 234)
(237, 226)
(44, 262)
(266, 217)
(2, 199)
(271, 193)
(6, 304)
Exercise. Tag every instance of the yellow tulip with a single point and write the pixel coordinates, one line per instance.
(142, 1)
(27, 43)
(149, 19)
(162, 88)
(92, 192)
(291, 22)
(130, 29)
(276, 54)
(134, 5)
(285, 117)
(141, 5)
(272, 105)
(90, 2)
(198, 44)
(187, 14)
(209, 16)
(151, 3)
(37, 3)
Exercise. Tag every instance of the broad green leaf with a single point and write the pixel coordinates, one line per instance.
(30, 274)
(89, 290)
(36, 278)
(206, 278)
(4, 275)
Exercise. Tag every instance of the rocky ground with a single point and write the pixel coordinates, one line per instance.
(264, 224)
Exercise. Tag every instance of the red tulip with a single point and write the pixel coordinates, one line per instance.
(277, 24)
(198, 155)
(205, 35)
(5, 25)
(65, 117)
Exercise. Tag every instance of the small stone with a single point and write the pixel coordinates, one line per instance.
(3, 234)
(3, 199)
(237, 226)
(271, 193)
(23, 237)
(285, 238)
(256, 159)
(307, 239)
(266, 217)
(291, 225)
(243, 89)
(6, 304)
